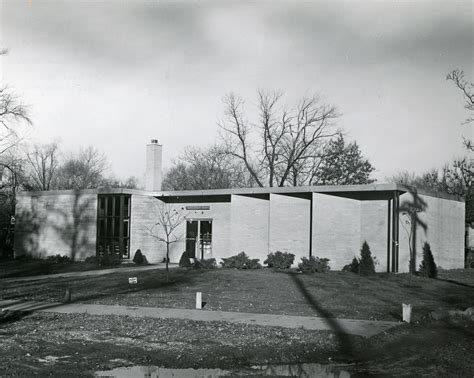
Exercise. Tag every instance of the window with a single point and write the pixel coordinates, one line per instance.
(113, 225)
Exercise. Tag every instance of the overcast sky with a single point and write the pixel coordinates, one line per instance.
(114, 74)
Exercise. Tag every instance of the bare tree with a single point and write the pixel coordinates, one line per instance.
(287, 141)
(43, 165)
(467, 89)
(206, 168)
(84, 170)
(165, 230)
(454, 178)
(11, 180)
(11, 112)
(113, 182)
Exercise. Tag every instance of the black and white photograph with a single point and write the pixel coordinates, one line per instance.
(211, 188)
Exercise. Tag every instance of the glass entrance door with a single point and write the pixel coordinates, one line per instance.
(199, 238)
(191, 238)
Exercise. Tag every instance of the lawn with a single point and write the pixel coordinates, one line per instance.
(334, 294)
(11, 268)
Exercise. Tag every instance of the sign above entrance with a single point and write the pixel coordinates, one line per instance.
(198, 208)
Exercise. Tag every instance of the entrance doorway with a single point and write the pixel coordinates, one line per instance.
(199, 238)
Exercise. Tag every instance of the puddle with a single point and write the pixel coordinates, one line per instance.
(155, 372)
(300, 370)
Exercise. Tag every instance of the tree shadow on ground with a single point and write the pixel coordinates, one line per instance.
(12, 316)
(455, 282)
(345, 346)
(75, 286)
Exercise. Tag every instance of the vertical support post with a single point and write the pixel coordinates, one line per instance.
(389, 236)
(198, 242)
(311, 225)
(394, 225)
(397, 240)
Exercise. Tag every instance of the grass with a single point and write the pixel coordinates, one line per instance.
(334, 294)
(11, 268)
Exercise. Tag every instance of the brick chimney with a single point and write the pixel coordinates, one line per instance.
(153, 166)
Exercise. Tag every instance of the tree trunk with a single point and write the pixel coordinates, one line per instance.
(167, 259)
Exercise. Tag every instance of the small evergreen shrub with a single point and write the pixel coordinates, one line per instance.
(240, 261)
(280, 260)
(139, 258)
(184, 261)
(366, 262)
(205, 264)
(353, 267)
(428, 266)
(59, 259)
(314, 265)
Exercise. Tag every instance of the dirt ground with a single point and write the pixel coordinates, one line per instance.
(47, 344)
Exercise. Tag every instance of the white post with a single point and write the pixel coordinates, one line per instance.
(198, 300)
(406, 312)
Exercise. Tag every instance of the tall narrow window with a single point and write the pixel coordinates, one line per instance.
(113, 225)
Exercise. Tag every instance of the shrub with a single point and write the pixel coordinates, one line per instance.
(240, 261)
(139, 258)
(205, 264)
(366, 262)
(353, 267)
(59, 259)
(280, 260)
(109, 260)
(428, 266)
(91, 260)
(313, 265)
(184, 261)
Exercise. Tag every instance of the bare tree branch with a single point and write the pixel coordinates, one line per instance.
(467, 89)
(287, 140)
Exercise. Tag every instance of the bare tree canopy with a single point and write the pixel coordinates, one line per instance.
(42, 166)
(206, 168)
(467, 89)
(113, 182)
(84, 170)
(282, 142)
(455, 178)
(11, 113)
(342, 164)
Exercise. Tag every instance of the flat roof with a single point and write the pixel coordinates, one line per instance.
(329, 189)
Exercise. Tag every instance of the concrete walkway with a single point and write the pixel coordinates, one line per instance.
(98, 272)
(365, 328)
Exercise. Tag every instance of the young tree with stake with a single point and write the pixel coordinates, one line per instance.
(166, 228)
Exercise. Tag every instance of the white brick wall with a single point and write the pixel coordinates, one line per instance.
(373, 230)
(64, 224)
(290, 225)
(445, 234)
(249, 230)
(336, 229)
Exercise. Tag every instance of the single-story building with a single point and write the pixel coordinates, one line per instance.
(323, 221)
